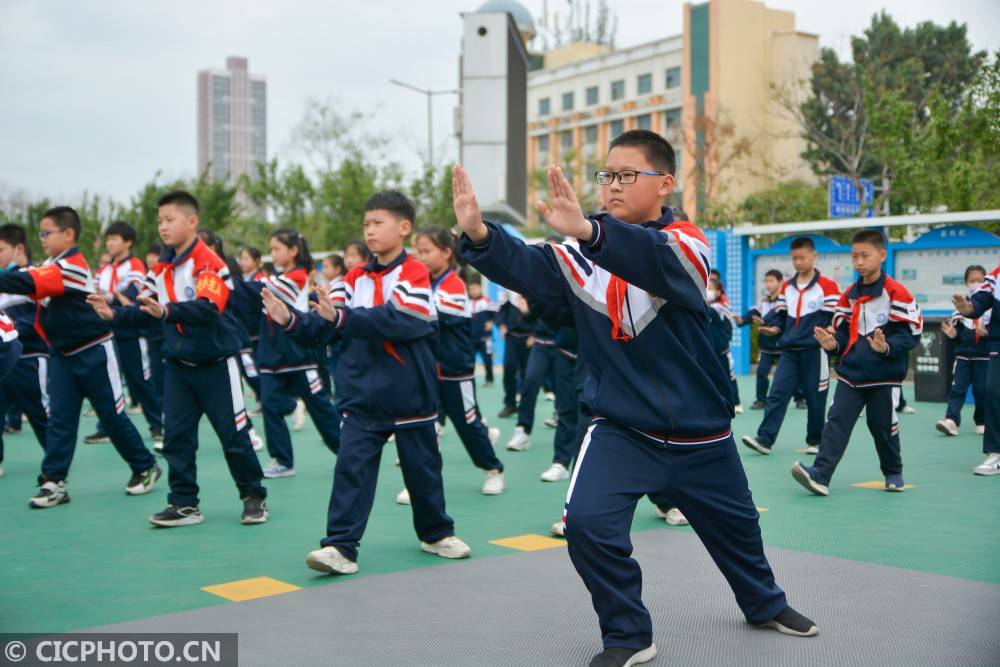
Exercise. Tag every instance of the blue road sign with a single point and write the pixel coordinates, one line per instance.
(844, 197)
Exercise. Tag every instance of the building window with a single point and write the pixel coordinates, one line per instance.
(543, 106)
(567, 102)
(644, 84)
(590, 134)
(673, 77)
(644, 122)
(566, 139)
(592, 96)
(617, 89)
(617, 127)
(673, 118)
(542, 150)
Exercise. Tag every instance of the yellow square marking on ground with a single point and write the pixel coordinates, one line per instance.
(250, 589)
(877, 484)
(761, 509)
(529, 542)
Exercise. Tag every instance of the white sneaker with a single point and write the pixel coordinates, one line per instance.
(550, 396)
(947, 426)
(673, 516)
(449, 547)
(49, 494)
(738, 409)
(299, 415)
(520, 441)
(494, 434)
(907, 410)
(558, 529)
(812, 449)
(556, 472)
(403, 497)
(256, 441)
(494, 484)
(981, 429)
(331, 561)
(158, 446)
(991, 466)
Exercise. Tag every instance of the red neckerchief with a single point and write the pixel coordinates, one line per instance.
(855, 315)
(379, 300)
(616, 294)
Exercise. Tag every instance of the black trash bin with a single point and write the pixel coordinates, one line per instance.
(933, 360)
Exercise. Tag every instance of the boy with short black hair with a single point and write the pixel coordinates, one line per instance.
(987, 299)
(805, 302)
(484, 312)
(387, 383)
(120, 281)
(186, 293)
(661, 398)
(767, 344)
(83, 364)
(877, 323)
(972, 358)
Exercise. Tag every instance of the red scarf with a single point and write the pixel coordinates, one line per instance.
(616, 294)
(855, 315)
(379, 300)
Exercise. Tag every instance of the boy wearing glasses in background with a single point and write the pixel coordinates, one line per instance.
(637, 288)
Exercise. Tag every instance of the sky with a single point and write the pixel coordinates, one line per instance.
(99, 95)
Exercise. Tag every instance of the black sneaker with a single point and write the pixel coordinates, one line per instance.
(623, 657)
(757, 405)
(96, 438)
(177, 516)
(508, 411)
(801, 404)
(791, 622)
(143, 482)
(254, 510)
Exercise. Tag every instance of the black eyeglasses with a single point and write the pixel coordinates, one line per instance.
(625, 177)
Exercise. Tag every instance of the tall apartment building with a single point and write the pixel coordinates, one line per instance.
(232, 120)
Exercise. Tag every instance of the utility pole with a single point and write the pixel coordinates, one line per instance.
(430, 114)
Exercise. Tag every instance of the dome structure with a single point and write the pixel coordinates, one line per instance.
(522, 17)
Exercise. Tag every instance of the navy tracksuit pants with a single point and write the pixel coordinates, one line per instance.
(765, 363)
(277, 400)
(213, 390)
(809, 369)
(484, 349)
(968, 372)
(137, 367)
(617, 467)
(541, 361)
(25, 389)
(355, 475)
(991, 440)
(566, 442)
(515, 361)
(248, 368)
(458, 398)
(92, 374)
(879, 404)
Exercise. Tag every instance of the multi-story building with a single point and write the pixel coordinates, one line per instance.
(232, 121)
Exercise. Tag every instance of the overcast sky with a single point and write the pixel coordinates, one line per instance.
(99, 95)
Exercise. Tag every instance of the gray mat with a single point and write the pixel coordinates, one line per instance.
(531, 609)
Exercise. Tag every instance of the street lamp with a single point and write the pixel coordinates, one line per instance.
(430, 114)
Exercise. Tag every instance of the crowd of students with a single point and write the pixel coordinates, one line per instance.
(619, 315)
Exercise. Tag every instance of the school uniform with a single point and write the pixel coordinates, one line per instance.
(456, 368)
(803, 363)
(987, 300)
(483, 312)
(515, 349)
(539, 367)
(82, 363)
(25, 388)
(867, 379)
(766, 345)
(720, 326)
(287, 369)
(972, 358)
(568, 435)
(10, 354)
(249, 334)
(386, 383)
(661, 402)
(126, 276)
(201, 370)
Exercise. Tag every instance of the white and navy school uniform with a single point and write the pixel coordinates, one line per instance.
(249, 333)
(972, 359)
(25, 388)
(720, 325)
(126, 276)
(201, 370)
(289, 370)
(766, 345)
(867, 379)
(386, 383)
(483, 312)
(10, 354)
(662, 405)
(540, 366)
(82, 363)
(987, 300)
(803, 363)
(456, 369)
(515, 348)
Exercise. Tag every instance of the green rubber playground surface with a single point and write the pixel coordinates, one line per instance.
(98, 561)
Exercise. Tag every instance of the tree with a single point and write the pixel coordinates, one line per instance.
(717, 148)
(790, 201)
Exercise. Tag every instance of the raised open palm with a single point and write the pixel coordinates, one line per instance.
(563, 211)
(467, 212)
